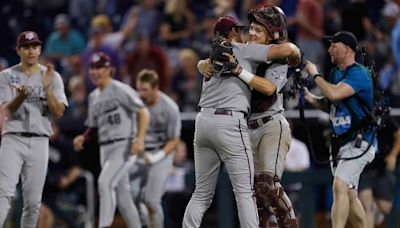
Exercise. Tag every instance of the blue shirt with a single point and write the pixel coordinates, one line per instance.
(352, 109)
(74, 44)
(396, 42)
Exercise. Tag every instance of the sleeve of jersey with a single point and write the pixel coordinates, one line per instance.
(58, 89)
(5, 88)
(255, 52)
(358, 79)
(277, 73)
(130, 99)
(174, 122)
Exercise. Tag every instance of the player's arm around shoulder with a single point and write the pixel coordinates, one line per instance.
(287, 51)
(263, 85)
(259, 83)
(54, 90)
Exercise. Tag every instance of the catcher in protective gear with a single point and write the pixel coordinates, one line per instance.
(273, 19)
(222, 58)
(271, 142)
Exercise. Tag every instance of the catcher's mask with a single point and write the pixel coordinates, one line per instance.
(273, 19)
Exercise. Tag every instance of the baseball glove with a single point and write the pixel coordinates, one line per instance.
(221, 63)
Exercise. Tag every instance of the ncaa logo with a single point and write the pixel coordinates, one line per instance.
(275, 74)
(15, 80)
(29, 36)
(341, 121)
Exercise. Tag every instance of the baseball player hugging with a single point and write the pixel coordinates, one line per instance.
(221, 131)
(270, 142)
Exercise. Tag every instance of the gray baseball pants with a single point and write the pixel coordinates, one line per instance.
(270, 144)
(217, 139)
(148, 186)
(28, 157)
(113, 156)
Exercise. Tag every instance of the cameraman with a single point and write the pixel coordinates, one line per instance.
(348, 97)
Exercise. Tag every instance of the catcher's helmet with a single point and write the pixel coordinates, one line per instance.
(273, 19)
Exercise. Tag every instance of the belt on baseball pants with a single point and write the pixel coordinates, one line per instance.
(254, 124)
(153, 148)
(27, 134)
(223, 111)
(111, 141)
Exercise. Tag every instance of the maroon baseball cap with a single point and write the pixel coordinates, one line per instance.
(100, 59)
(225, 24)
(28, 37)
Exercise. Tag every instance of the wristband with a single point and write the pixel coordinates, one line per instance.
(156, 157)
(246, 76)
(317, 75)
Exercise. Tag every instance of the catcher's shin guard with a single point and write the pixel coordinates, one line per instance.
(267, 218)
(271, 189)
(265, 212)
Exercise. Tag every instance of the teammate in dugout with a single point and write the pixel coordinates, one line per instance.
(115, 111)
(32, 95)
(348, 97)
(161, 139)
(270, 134)
(221, 133)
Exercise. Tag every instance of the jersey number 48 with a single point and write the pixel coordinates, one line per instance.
(114, 119)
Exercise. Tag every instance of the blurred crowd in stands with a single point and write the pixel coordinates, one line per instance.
(170, 36)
